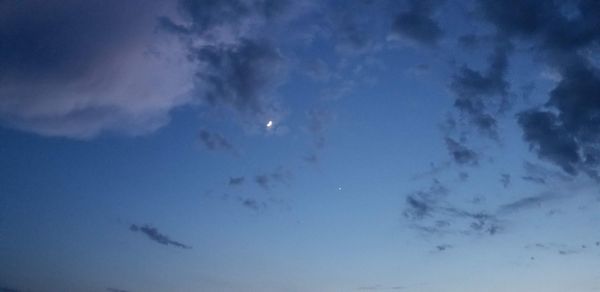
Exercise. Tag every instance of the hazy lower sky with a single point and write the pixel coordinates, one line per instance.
(301, 146)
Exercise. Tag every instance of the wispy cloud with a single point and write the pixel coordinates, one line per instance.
(430, 212)
(214, 141)
(269, 180)
(529, 202)
(154, 235)
(461, 153)
(379, 288)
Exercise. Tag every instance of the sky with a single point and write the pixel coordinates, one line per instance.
(279, 145)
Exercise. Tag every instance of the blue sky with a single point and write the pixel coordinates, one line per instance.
(273, 145)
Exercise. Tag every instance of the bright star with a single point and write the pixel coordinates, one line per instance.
(270, 124)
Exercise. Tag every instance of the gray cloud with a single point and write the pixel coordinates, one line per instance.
(154, 235)
(77, 69)
(417, 22)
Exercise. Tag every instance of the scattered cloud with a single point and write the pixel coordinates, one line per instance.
(268, 180)
(214, 141)
(252, 204)
(560, 249)
(154, 235)
(474, 91)
(460, 153)
(430, 212)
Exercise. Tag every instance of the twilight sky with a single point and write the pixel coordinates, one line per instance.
(301, 146)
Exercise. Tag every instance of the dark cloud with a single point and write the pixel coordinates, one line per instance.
(567, 133)
(505, 180)
(9, 289)
(546, 22)
(417, 23)
(154, 235)
(460, 153)
(550, 139)
(475, 91)
(236, 181)
(214, 141)
(565, 130)
(78, 68)
(239, 76)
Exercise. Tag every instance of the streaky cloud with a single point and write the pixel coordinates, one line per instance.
(153, 234)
